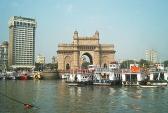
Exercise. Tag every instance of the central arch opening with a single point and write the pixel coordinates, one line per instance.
(86, 60)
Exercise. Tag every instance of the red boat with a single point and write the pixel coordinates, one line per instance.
(23, 77)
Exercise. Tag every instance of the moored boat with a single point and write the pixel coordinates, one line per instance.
(37, 75)
(132, 76)
(149, 86)
(108, 76)
(80, 78)
(23, 77)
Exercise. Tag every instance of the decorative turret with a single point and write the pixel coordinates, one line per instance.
(75, 34)
(75, 37)
(97, 34)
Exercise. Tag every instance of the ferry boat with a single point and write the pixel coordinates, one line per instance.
(82, 77)
(132, 76)
(157, 77)
(107, 76)
(24, 75)
(65, 76)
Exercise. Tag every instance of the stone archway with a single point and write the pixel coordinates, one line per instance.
(87, 56)
(105, 62)
(70, 54)
(67, 63)
(86, 59)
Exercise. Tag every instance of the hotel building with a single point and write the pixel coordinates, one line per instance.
(21, 52)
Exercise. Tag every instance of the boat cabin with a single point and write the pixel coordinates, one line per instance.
(131, 78)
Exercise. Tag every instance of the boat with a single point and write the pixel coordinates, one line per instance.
(108, 76)
(73, 84)
(23, 77)
(132, 76)
(82, 77)
(65, 76)
(10, 75)
(102, 83)
(157, 77)
(149, 86)
(37, 75)
(1, 76)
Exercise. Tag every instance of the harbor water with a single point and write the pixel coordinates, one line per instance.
(54, 96)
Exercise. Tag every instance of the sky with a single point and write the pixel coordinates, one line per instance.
(131, 25)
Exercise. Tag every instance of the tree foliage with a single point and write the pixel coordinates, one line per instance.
(165, 63)
(38, 67)
(49, 66)
(144, 63)
(85, 65)
(126, 63)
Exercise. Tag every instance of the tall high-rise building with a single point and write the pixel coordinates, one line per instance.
(3, 56)
(151, 55)
(21, 42)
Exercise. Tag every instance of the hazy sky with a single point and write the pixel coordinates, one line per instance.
(131, 25)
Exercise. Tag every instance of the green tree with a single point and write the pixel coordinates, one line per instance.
(144, 63)
(85, 65)
(165, 63)
(38, 67)
(126, 63)
(51, 66)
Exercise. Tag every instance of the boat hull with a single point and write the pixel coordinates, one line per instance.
(151, 86)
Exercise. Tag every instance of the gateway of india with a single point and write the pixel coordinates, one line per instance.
(70, 56)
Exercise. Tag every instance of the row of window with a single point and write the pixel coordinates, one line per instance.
(23, 24)
(23, 63)
(86, 48)
(20, 44)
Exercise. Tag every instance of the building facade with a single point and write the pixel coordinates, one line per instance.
(151, 55)
(4, 55)
(40, 59)
(21, 42)
(70, 56)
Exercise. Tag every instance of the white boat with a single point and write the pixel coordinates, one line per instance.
(102, 84)
(73, 84)
(131, 78)
(149, 86)
(65, 75)
(107, 76)
(157, 78)
(79, 79)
